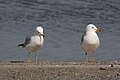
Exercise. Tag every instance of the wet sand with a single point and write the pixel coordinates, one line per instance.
(60, 71)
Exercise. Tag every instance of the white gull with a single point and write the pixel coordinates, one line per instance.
(33, 43)
(90, 40)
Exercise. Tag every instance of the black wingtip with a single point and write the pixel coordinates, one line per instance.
(20, 45)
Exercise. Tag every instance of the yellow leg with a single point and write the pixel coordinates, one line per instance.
(36, 57)
(86, 55)
(93, 61)
(29, 57)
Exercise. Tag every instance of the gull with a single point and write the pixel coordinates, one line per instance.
(90, 40)
(33, 43)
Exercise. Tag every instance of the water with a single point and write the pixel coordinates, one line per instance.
(64, 22)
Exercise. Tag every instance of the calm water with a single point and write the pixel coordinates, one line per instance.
(64, 22)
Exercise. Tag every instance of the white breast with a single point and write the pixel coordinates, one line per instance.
(35, 43)
(90, 42)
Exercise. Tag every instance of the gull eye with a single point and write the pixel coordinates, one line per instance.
(92, 27)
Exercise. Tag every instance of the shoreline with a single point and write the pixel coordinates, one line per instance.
(60, 71)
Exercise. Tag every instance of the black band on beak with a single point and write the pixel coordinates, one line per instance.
(99, 30)
(42, 35)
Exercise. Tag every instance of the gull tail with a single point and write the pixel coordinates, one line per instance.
(21, 45)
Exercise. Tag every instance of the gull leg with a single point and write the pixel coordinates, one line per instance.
(29, 57)
(93, 61)
(86, 55)
(36, 57)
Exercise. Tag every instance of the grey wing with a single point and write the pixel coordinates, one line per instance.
(82, 38)
(27, 41)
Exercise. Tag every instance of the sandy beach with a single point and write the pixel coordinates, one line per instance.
(60, 71)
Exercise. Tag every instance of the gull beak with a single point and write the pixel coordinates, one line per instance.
(98, 30)
(42, 35)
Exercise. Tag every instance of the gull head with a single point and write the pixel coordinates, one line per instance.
(39, 31)
(92, 27)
